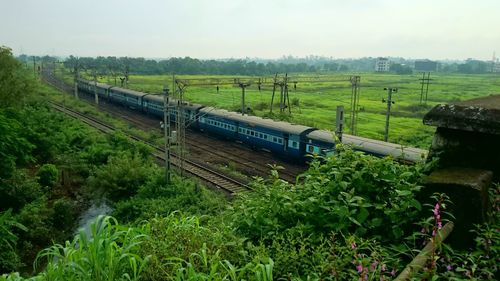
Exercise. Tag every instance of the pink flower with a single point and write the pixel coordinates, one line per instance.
(393, 272)
(359, 267)
(353, 245)
(436, 209)
(382, 269)
(467, 273)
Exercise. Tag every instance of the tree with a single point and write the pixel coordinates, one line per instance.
(14, 84)
(400, 68)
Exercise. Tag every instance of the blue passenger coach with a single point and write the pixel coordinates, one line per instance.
(280, 137)
(127, 97)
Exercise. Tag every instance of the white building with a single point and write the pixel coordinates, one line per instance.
(382, 65)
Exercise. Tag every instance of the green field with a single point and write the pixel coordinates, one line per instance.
(314, 104)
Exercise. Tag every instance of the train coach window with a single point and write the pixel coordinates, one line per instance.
(310, 148)
(275, 139)
(265, 136)
(294, 144)
(252, 133)
(280, 141)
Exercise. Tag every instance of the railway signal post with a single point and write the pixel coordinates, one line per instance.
(388, 113)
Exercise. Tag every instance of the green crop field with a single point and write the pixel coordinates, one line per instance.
(314, 104)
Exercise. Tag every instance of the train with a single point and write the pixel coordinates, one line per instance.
(290, 141)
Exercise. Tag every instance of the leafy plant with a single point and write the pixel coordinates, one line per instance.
(108, 252)
(9, 259)
(350, 192)
(48, 175)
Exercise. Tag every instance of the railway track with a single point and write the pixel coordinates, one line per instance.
(207, 174)
(232, 155)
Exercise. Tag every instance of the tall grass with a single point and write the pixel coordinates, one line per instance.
(107, 253)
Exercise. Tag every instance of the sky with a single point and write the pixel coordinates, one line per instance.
(434, 29)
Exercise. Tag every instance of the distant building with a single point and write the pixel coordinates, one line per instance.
(382, 65)
(426, 65)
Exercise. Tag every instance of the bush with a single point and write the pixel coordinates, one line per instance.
(120, 178)
(155, 197)
(18, 191)
(65, 215)
(350, 192)
(48, 175)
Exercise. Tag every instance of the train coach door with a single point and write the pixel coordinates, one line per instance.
(285, 141)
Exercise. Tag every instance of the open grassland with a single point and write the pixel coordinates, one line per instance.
(314, 104)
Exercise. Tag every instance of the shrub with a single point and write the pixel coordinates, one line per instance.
(65, 215)
(48, 175)
(350, 192)
(18, 191)
(120, 178)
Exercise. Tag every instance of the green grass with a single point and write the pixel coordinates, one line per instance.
(317, 102)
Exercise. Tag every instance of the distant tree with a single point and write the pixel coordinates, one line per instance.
(473, 67)
(400, 69)
(343, 67)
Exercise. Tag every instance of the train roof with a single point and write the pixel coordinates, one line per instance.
(128, 91)
(397, 151)
(257, 121)
(159, 98)
(98, 84)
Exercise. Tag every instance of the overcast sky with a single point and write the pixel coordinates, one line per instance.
(436, 29)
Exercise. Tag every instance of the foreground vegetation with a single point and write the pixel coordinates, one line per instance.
(349, 217)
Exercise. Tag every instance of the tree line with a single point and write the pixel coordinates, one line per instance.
(252, 67)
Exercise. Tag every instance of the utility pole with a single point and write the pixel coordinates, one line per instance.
(388, 113)
(166, 126)
(275, 83)
(126, 75)
(76, 78)
(96, 97)
(355, 81)
(62, 86)
(339, 123)
(181, 125)
(243, 86)
(34, 67)
(424, 81)
(286, 97)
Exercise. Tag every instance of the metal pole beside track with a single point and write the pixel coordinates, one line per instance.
(166, 126)
(388, 113)
(339, 123)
